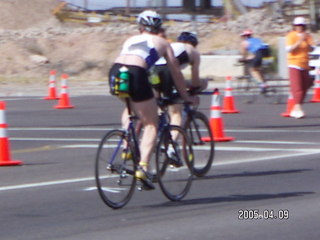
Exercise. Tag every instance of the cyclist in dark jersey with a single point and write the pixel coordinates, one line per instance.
(138, 54)
(187, 55)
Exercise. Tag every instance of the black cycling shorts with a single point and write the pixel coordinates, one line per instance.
(166, 86)
(139, 87)
(257, 60)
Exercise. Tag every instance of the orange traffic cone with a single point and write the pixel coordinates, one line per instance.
(316, 89)
(64, 102)
(4, 141)
(216, 122)
(290, 104)
(52, 95)
(228, 100)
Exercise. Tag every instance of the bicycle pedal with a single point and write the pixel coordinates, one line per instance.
(143, 186)
(145, 180)
(126, 155)
(139, 186)
(109, 167)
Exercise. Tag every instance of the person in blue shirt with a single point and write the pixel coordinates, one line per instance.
(251, 50)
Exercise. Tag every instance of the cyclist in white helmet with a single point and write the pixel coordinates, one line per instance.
(138, 54)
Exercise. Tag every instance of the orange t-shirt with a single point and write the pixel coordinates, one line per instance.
(300, 56)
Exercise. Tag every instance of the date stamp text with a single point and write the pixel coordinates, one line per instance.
(266, 214)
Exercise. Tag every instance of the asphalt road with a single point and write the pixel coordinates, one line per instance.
(271, 171)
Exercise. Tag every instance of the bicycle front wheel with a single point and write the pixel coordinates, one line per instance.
(174, 163)
(114, 170)
(199, 133)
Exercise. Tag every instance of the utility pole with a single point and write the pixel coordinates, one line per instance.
(313, 16)
(127, 12)
(189, 5)
(163, 9)
(205, 4)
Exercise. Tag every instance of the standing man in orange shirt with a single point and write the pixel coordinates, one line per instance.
(298, 45)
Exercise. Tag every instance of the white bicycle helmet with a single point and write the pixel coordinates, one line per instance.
(299, 21)
(151, 20)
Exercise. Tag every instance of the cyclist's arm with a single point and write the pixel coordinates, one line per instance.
(195, 65)
(176, 74)
(243, 49)
(194, 59)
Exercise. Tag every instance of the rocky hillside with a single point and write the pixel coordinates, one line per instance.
(33, 41)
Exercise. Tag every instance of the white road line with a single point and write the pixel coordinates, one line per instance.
(42, 184)
(286, 156)
(58, 129)
(98, 140)
(261, 130)
(21, 99)
(276, 142)
(57, 139)
(76, 180)
(219, 148)
(110, 128)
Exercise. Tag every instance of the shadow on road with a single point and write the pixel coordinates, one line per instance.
(252, 174)
(236, 198)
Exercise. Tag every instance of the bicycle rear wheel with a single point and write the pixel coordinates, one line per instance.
(247, 88)
(199, 133)
(114, 171)
(251, 90)
(174, 163)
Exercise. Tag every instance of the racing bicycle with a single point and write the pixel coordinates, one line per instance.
(115, 169)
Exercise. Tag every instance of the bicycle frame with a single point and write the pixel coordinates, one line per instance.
(131, 135)
(190, 115)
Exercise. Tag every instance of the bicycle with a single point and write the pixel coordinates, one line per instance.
(118, 155)
(196, 124)
(199, 132)
(250, 87)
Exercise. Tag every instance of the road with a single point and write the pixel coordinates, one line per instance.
(272, 169)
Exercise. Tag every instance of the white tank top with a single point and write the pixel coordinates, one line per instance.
(142, 46)
(179, 51)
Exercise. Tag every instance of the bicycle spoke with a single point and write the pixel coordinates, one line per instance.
(198, 128)
(174, 163)
(114, 171)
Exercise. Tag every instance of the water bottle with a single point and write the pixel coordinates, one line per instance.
(124, 80)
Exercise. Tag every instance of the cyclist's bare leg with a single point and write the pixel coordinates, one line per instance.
(125, 118)
(256, 74)
(147, 113)
(175, 112)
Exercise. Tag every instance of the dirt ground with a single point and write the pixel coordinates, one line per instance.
(33, 41)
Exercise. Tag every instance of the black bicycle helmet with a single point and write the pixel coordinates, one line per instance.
(188, 37)
(151, 21)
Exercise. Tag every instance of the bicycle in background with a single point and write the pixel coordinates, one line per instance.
(248, 86)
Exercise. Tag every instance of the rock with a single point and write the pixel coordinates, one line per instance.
(38, 59)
